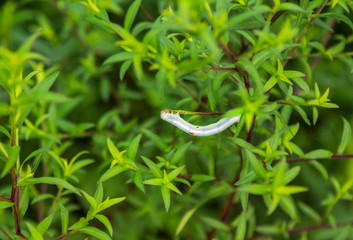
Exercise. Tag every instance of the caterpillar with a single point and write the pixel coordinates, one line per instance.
(174, 118)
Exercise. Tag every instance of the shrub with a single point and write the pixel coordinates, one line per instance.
(83, 84)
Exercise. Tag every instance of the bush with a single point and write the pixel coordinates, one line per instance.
(84, 152)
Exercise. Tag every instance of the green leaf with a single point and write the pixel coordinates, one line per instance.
(79, 224)
(46, 83)
(90, 199)
(4, 131)
(111, 172)
(180, 153)
(184, 220)
(257, 189)
(44, 225)
(119, 57)
(153, 167)
(156, 139)
(131, 14)
(318, 154)
(201, 178)
(215, 223)
(293, 74)
(131, 152)
(108, 203)
(338, 16)
(124, 67)
(346, 136)
(250, 177)
(138, 180)
(35, 234)
(166, 197)
(103, 219)
(288, 190)
(244, 144)
(118, 156)
(270, 83)
(98, 195)
(302, 114)
(291, 174)
(241, 228)
(13, 152)
(302, 84)
(95, 232)
(49, 180)
(5, 204)
(315, 115)
(64, 214)
(256, 165)
(308, 211)
(175, 173)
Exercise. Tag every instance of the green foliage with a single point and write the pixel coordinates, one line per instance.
(82, 86)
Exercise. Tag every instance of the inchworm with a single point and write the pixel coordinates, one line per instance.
(214, 128)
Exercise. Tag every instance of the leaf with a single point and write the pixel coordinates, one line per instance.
(131, 152)
(166, 197)
(5, 204)
(98, 195)
(251, 176)
(293, 74)
(13, 152)
(49, 180)
(241, 228)
(270, 83)
(64, 214)
(46, 83)
(215, 223)
(288, 190)
(346, 136)
(257, 189)
(302, 84)
(119, 57)
(156, 139)
(338, 16)
(4, 131)
(308, 211)
(318, 154)
(90, 199)
(256, 165)
(44, 225)
(175, 173)
(131, 14)
(95, 232)
(103, 219)
(291, 174)
(302, 114)
(79, 224)
(180, 153)
(111, 172)
(201, 178)
(138, 180)
(315, 115)
(35, 234)
(118, 156)
(153, 167)
(184, 220)
(124, 67)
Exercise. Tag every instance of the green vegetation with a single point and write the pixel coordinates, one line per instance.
(84, 153)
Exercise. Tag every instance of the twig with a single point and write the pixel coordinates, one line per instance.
(192, 94)
(313, 159)
(226, 50)
(6, 199)
(248, 138)
(67, 234)
(312, 20)
(5, 233)
(147, 14)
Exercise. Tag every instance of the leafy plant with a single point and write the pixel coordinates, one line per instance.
(71, 128)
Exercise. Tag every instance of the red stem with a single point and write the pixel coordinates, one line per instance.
(5, 233)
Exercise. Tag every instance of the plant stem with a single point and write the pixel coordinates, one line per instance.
(193, 113)
(6, 199)
(192, 94)
(147, 14)
(5, 233)
(309, 159)
(67, 234)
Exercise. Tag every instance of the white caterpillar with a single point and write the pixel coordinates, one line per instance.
(208, 130)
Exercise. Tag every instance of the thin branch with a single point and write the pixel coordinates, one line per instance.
(5, 233)
(226, 50)
(220, 69)
(192, 94)
(67, 234)
(6, 199)
(311, 159)
(248, 138)
(312, 20)
(147, 14)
